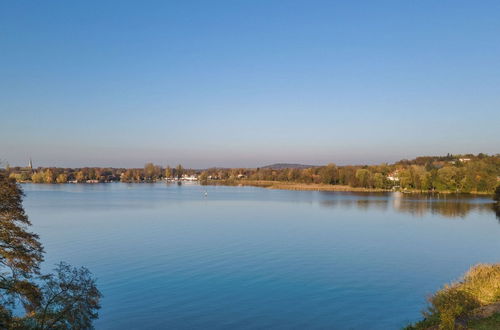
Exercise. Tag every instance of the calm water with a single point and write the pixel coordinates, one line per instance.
(166, 256)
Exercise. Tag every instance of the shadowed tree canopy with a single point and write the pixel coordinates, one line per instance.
(68, 299)
(20, 250)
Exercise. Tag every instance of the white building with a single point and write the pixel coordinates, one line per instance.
(393, 176)
(186, 177)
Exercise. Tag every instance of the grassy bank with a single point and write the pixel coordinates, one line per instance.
(294, 185)
(471, 303)
(319, 187)
(306, 186)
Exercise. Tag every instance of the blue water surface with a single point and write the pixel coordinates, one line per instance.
(214, 257)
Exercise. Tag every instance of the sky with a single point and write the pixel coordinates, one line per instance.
(246, 83)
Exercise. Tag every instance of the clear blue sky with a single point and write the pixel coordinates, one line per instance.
(247, 83)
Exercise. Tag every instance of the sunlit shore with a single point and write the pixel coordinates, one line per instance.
(325, 187)
(301, 186)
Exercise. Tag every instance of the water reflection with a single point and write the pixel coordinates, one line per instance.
(496, 209)
(450, 206)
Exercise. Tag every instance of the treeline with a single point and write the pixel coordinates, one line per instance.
(150, 173)
(453, 173)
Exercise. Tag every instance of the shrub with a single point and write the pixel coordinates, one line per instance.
(479, 286)
(450, 303)
(483, 282)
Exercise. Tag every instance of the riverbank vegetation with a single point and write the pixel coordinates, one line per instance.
(297, 186)
(471, 303)
(66, 299)
(451, 173)
(462, 173)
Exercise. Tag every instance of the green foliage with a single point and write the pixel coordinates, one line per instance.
(363, 177)
(450, 173)
(450, 303)
(379, 181)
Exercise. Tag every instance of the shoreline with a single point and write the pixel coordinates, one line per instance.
(279, 185)
(328, 187)
(303, 186)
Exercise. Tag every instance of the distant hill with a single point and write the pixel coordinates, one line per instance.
(280, 166)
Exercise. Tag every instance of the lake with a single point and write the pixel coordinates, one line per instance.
(169, 256)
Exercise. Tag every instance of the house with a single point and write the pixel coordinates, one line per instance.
(393, 176)
(186, 177)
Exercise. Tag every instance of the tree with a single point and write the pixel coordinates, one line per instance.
(149, 172)
(364, 177)
(347, 175)
(80, 176)
(168, 172)
(425, 180)
(68, 299)
(293, 174)
(20, 251)
(405, 178)
(307, 175)
(379, 180)
(38, 177)
(447, 178)
(98, 175)
(179, 171)
(137, 175)
(126, 176)
(203, 177)
(15, 176)
(48, 176)
(329, 174)
(62, 178)
(496, 206)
